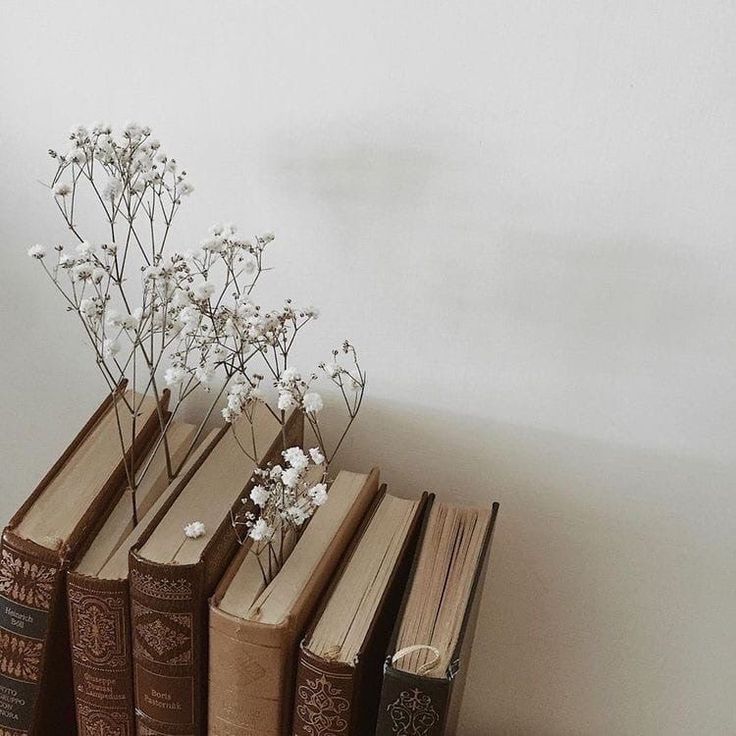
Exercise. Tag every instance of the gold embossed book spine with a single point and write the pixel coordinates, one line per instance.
(36, 690)
(169, 621)
(99, 618)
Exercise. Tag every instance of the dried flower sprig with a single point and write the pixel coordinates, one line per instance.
(156, 316)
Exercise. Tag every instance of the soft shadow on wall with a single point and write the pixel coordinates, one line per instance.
(589, 622)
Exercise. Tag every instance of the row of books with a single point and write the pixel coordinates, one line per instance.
(113, 629)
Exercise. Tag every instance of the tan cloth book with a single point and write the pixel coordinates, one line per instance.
(47, 535)
(172, 577)
(255, 631)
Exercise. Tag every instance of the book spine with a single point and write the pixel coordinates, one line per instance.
(412, 705)
(32, 668)
(249, 682)
(167, 618)
(99, 629)
(323, 699)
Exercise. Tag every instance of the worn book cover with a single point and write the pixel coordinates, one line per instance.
(252, 663)
(169, 614)
(342, 698)
(418, 705)
(99, 603)
(44, 537)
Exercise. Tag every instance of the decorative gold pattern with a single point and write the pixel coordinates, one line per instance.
(98, 628)
(19, 657)
(412, 714)
(163, 637)
(178, 589)
(100, 724)
(3, 732)
(26, 582)
(320, 708)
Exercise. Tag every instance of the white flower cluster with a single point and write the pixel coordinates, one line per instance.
(133, 163)
(187, 320)
(284, 496)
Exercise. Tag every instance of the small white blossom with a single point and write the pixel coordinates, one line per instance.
(174, 375)
(290, 477)
(112, 188)
(318, 494)
(37, 251)
(111, 348)
(290, 375)
(286, 400)
(296, 458)
(297, 515)
(62, 189)
(260, 531)
(203, 291)
(317, 456)
(259, 495)
(195, 529)
(312, 403)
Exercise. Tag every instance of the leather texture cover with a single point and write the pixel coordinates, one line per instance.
(341, 699)
(101, 646)
(253, 665)
(169, 623)
(413, 705)
(36, 692)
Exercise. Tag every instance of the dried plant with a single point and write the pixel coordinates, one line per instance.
(159, 317)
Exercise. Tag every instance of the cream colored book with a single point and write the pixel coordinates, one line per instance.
(255, 630)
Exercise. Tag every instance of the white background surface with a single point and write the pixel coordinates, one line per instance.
(523, 215)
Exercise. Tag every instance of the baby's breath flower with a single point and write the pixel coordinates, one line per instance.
(312, 403)
(195, 529)
(318, 494)
(259, 495)
(317, 457)
(37, 251)
(62, 189)
(175, 375)
(260, 531)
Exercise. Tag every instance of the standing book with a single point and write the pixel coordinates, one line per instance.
(338, 681)
(48, 533)
(425, 672)
(98, 595)
(173, 576)
(255, 629)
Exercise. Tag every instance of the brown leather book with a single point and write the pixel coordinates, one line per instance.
(172, 578)
(255, 630)
(338, 682)
(425, 671)
(98, 596)
(48, 533)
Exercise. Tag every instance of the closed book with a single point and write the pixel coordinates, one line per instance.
(172, 576)
(338, 682)
(48, 533)
(426, 668)
(98, 595)
(255, 629)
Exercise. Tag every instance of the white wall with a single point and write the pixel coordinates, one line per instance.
(523, 214)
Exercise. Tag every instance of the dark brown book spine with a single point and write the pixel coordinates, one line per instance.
(412, 705)
(324, 687)
(323, 700)
(33, 667)
(169, 615)
(99, 618)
